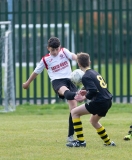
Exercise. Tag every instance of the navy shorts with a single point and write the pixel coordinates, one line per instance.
(58, 83)
(100, 108)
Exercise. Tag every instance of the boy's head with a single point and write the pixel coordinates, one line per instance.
(83, 60)
(54, 42)
(54, 46)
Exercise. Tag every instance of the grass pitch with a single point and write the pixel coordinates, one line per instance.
(39, 133)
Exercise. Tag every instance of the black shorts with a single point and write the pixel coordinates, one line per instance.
(58, 83)
(100, 108)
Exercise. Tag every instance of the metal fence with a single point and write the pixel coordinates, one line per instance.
(102, 28)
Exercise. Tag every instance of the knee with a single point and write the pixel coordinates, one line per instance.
(92, 122)
(69, 95)
(72, 112)
(95, 124)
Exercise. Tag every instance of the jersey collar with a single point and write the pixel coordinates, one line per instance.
(87, 69)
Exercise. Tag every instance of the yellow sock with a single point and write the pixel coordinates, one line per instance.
(102, 133)
(77, 124)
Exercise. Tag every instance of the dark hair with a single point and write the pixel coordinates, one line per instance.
(83, 59)
(54, 42)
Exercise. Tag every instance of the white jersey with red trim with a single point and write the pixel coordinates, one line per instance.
(57, 66)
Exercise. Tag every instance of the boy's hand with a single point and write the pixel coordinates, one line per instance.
(83, 92)
(79, 97)
(25, 85)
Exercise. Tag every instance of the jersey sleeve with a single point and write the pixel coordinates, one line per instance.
(68, 53)
(40, 67)
(90, 87)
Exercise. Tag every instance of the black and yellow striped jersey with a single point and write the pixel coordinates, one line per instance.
(96, 86)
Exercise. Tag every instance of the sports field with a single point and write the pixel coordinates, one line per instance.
(39, 133)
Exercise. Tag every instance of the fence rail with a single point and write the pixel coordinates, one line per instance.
(101, 28)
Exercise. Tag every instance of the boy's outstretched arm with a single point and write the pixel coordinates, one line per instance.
(30, 79)
(74, 57)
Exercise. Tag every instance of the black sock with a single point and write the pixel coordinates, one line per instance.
(71, 129)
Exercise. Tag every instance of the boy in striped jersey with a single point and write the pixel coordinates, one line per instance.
(101, 101)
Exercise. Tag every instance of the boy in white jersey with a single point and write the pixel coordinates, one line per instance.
(59, 70)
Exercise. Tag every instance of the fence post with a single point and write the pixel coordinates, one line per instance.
(20, 50)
